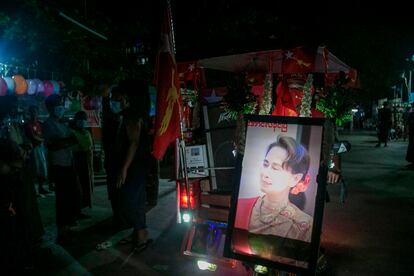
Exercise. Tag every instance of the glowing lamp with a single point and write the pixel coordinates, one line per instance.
(11, 85)
(3, 87)
(31, 86)
(186, 217)
(40, 87)
(21, 84)
(56, 87)
(48, 88)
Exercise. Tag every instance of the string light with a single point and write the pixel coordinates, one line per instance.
(7, 69)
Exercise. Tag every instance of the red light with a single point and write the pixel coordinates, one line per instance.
(184, 198)
(184, 201)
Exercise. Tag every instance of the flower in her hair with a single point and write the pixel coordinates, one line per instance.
(301, 186)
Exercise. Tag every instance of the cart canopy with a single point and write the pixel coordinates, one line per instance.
(297, 60)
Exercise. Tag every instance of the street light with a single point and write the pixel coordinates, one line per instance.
(408, 83)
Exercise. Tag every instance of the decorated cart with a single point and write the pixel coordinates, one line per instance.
(286, 90)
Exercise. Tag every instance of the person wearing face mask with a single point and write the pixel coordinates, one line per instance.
(133, 160)
(59, 140)
(110, 125)
(83, 156)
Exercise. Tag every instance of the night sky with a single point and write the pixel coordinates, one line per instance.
(374, 40)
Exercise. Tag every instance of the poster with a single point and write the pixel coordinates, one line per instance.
(277, 204)
(94, 119)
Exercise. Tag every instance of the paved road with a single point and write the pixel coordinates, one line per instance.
(372, 234)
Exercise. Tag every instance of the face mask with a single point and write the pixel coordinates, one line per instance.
(59, 111)
(82, 124)
(115, 106)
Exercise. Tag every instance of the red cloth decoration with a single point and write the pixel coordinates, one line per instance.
(298, 60)
(284, 102)
(167, 116)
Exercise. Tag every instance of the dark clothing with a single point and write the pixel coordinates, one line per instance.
(20, 234)
(384, 124)
(68, 195)
(410, 150)
(132, 194)
(143, 154)
(62, 172)
(82, 159)
(83, 169)
(133, 197)
(110, 128)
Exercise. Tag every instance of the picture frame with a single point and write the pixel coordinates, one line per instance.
(278, 198)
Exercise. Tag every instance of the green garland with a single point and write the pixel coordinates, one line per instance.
(239, 99)
(305, 106)
(266, 105)
(338, 102)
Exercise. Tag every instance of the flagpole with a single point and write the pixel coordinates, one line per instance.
(181, 143)
(172, 26)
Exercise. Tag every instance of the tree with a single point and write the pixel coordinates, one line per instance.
(37, 37)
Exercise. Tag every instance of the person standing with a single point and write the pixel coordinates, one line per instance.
(28, 227)
(133, 156)
(110, 126)
(410, 130)
(384, 124)
(405, 116)
(83, 154)
(34, 133)
(60, 140)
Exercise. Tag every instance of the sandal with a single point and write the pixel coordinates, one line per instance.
(103, 245)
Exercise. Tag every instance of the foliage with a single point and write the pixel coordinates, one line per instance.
(305, 106)
(338, 101)
(239, 100)
(37, 37)
(266, 105)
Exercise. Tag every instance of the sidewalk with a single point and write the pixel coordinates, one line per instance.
(372, 233)
(80, 257)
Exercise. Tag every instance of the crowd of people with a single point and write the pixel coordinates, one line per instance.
(58, 153)
(34, 154)
(386, 131)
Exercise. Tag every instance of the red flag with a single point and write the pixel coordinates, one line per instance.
(298, 60)
(284, 103)
(167, 116)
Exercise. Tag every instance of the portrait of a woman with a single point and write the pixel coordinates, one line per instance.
(283, 171)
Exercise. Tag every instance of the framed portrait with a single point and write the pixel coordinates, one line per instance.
(278, 198)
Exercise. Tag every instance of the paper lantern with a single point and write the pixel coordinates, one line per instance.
(3, 87)
(31, 86)
(10, 85)
(56, 87)
(21, 84)
(48, 88)
(40, 87)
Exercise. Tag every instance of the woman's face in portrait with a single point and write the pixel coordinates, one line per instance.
(273, 177)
